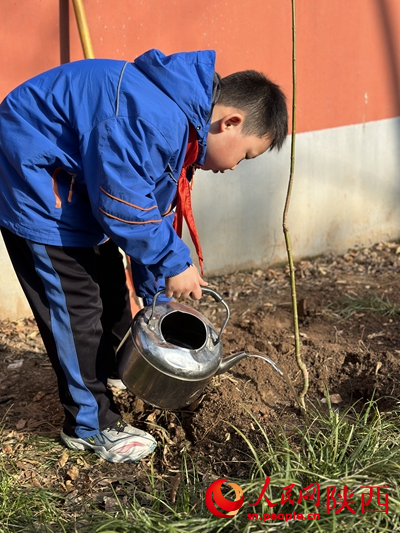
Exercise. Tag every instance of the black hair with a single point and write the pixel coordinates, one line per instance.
(263, 102)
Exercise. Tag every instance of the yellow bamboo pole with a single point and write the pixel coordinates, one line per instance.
(83, 29)
(299, 359)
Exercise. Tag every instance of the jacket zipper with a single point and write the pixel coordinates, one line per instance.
(57, 196)
(73, 176)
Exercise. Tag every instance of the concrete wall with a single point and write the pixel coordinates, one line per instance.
(348, 85)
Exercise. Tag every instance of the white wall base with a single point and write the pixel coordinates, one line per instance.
(13, 304)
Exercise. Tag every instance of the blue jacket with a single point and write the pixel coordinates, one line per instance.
(93, 149)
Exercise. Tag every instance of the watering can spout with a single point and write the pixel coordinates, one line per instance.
(230, 360)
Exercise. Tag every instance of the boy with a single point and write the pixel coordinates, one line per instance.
(94, 155)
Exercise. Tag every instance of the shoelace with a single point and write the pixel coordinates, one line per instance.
(119, 426)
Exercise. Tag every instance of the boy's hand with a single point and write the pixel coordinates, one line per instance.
(187, 283)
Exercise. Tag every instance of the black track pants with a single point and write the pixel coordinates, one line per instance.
(80, 302)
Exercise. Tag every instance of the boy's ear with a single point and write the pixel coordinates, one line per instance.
(231, 120)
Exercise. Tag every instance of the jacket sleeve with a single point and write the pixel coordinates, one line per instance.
(146, 285)
(124, 160)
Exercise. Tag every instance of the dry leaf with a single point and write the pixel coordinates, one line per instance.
(7, 449)
(63, 459)
(152, 417)
(68, 486)
(73, 473)
(15, 365)
(175, 481)
(81, 462)
(39, 396)
(21, 423)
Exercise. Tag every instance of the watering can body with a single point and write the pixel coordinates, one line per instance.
(171, 352)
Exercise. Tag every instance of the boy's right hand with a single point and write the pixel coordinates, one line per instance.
(187, 283)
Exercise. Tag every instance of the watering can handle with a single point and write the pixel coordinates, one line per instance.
(217, 297)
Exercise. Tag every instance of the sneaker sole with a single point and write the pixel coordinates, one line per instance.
(112, 457)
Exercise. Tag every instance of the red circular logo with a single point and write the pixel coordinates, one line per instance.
(214, 494)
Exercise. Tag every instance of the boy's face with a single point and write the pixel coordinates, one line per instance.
(226, 144)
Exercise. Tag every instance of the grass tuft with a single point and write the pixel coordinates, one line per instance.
(354, 448)
(351, 305)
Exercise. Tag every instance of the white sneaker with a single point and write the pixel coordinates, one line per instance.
(116, 383)
(121, 443)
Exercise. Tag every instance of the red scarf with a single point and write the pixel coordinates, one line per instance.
(184, 201)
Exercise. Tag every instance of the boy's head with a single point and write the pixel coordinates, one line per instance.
(249, 118)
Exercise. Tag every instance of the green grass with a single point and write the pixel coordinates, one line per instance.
(351, 305)
(27, 509)
(357, 447)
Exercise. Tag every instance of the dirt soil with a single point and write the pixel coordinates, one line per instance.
(353, 353)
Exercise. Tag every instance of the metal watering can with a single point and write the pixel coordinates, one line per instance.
(171, 352)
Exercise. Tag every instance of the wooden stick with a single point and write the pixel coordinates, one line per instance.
(299, 359)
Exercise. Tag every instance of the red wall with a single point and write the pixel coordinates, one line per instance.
(348, 51)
